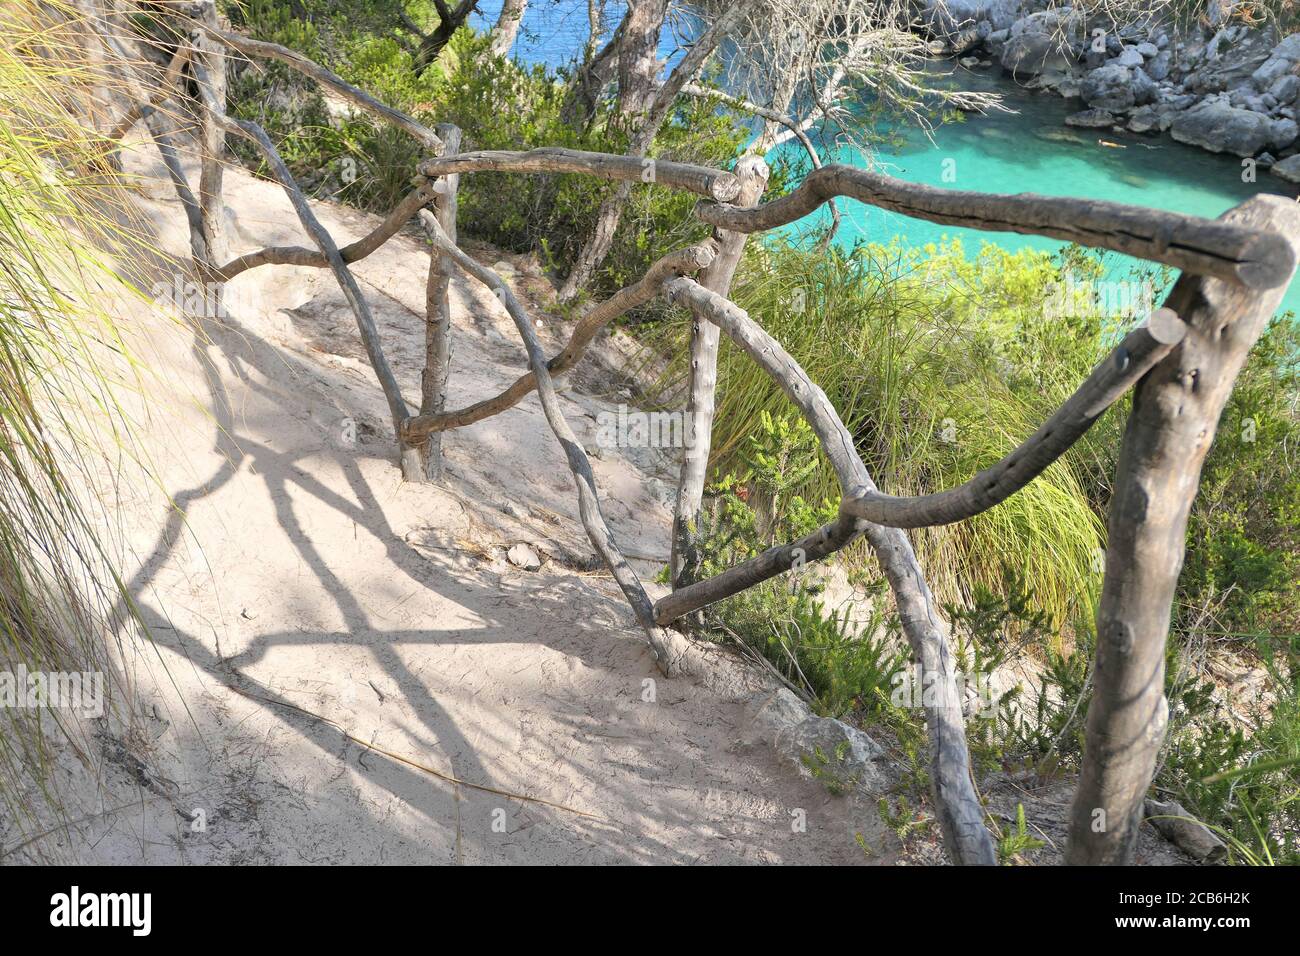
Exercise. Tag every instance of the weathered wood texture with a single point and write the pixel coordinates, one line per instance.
(163, 130)
(956, 804)
(701, 401)
(668, 647)
(212, 138)
(402, 213)
(325, 243)
(1176, 410)
(291, 58)
(437, 313)
(1118, 372)
(711, 183)
(683, 262)
(1259, 259)
(778, 559)
(760, 145)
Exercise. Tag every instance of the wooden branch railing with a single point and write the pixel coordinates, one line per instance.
(709, 183)
(668, 646)
(685, 560)
(1235, 271)
(679, 263)
(341, 87)
(1253, 258)
(402, 213)
(1118, 372)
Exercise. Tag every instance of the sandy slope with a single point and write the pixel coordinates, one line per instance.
(297, 575)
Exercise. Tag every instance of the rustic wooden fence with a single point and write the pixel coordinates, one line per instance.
(1182, 363)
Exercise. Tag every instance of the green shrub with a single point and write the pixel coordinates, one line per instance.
(498, 104)
(927, 357)
(1243, 540)
(1241, 776)
(845, 669)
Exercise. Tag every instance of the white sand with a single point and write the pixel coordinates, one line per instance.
(298, 571)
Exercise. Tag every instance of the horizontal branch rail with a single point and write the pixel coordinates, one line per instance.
(403, 213)
(1140, 351)
(778, 559)
(1254, 258)
(675, 264)
(291, 58)
(714, 184)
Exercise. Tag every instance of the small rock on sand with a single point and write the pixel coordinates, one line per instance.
(523, 556)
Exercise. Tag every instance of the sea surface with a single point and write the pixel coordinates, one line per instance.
(1028, 149)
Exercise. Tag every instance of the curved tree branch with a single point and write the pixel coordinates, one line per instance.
(669, 267)
(1256, 259)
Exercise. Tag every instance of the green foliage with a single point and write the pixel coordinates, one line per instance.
(497, 103)
(939, 365)
(830, 770)
(1012, 844)
(63, 361)
(1243, 555)
(1241, 776)
(901, 817)
(845, 669)
(1039, 729)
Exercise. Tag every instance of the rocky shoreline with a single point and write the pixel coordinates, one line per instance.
(1226, 88)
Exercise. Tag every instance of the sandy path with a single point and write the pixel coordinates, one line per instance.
(297, 573)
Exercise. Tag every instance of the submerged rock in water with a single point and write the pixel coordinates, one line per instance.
(1052, 134)
(1221, 128)
(1288, 169)
(1091, 119)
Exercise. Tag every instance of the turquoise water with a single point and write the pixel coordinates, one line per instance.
(1032, 151)
(1029, 150)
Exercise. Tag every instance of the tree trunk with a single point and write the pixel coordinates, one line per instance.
(437, 313)
(638, 61)
(590, 80)
(213, 137)
(1175, 413)
(641, 101)
(449, 21)
(685, 562)
(507, 29)
(638, 68)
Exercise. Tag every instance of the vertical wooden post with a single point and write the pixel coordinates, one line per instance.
(1176, 410)
(212, 137)
(425, 464)
(685, 562)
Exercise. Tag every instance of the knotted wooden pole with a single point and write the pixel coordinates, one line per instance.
(752, 172)
(422, 460)
(1176, 410)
